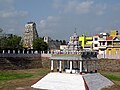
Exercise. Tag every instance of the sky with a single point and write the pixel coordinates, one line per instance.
(59, 19)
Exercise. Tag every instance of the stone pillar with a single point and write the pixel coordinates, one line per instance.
(67, 52)
(71, 66)
(77, 64)
(91, 66)
(81, 67)
(65, 65)
(68, 64)
(8, 51)
(23, 51)
(48, 52)
(57, 65)
(60, 68)
(27, 52)
(36, 52)
(18, 51)
(3, 51)
(13, 51)
(95, 66)
(52, 65)
(86, 68)
(43, 52)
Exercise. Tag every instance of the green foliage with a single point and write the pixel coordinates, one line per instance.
(12, 42)
(39, 44)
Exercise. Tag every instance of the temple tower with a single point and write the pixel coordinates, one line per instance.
(29, 35)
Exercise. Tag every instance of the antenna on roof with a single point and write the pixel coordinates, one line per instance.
(75, 28)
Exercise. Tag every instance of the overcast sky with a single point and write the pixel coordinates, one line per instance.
(59, 18)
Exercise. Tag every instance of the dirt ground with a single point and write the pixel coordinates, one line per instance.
(114, 87)
(20, 84)
(25, 84)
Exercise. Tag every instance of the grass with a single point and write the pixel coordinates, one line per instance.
(20, 74)
(12, 79)
(21, 78)
(13, 75)
(114, 76)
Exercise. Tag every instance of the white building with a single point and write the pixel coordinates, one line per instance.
(100, 43)
(29, 35)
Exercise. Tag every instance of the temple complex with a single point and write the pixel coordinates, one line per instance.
(74, 59)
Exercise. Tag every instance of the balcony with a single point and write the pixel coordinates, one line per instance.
(116, 45)
(102, 47)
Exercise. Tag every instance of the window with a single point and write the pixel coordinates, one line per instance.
(96, 39)
(103, 43)
(96, 45)
(109, 43)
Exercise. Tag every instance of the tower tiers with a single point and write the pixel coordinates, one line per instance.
(29, 35)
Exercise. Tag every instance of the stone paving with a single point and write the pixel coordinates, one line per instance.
(96, 81)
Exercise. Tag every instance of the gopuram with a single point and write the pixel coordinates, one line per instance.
(74, 59)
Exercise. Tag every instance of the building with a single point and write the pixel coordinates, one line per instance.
(73, 44)
(52, 44)
(30, 34)
(107, 44)
(85, 42)
(113, 43)
(100, 43)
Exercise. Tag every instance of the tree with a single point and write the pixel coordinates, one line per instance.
(14, 42)
(39, 44)
(11, 42)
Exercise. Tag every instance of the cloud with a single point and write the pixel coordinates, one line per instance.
(11, 17)
(80, 7)
(84, 7)
(49, 22)
(12, 13)
(75, 6)
(57, 4)
(7, 1)
(100, 9)
(47, 25)
(8, 10)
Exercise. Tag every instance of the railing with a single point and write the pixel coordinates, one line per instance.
(24, 53)
(36, 53)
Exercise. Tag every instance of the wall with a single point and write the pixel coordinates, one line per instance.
(109, 65)
(37, 62)
(20, 63)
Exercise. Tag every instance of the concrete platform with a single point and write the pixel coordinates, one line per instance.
(66, 81)
(61, 81)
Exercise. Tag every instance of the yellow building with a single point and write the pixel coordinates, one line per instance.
(85, 42)
(113, 43)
